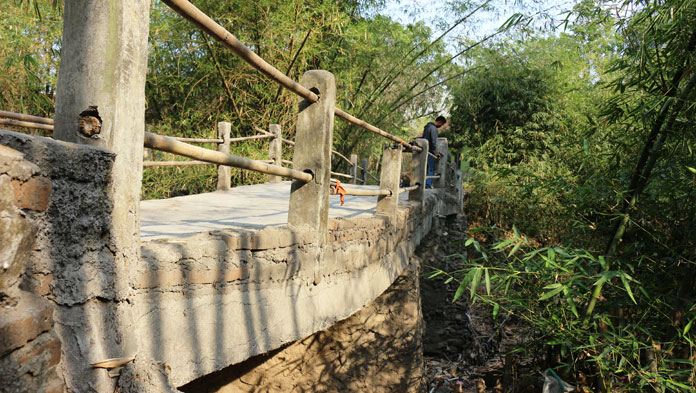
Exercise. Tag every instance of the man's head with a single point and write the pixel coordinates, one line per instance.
(440, 121)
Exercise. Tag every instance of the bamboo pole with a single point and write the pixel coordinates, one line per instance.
(23, 117)
(341, 175)
(198, 140)
(174, 163)
(362, 123)
(406, 189)
(249, 138)
(363, 192)
(171, 145)
(208, 25)
(27, 124)
(359, 192)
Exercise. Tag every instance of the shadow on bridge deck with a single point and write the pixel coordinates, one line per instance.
(250, 207)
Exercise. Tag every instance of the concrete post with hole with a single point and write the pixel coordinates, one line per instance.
(441, 164)
(224, 181)
(275, 150)
(418, 168)
(389, 180)
(309, 202)
(101, 102)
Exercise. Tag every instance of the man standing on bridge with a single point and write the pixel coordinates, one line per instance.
(430, 133)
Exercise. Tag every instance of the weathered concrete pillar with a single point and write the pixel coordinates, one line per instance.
(363, 171)
(275, 150)
(389, 180)
(101, 102)
(441, 164)
(354, 168)
(224, 181)
(418, 168)
(309, 202)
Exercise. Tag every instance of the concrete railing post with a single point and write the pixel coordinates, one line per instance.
(441, 164)
(363, 171)
(418, 169)
(389, 180)
(354, 168)
(275, 150)
(224, 181)
(309, 202)
(101, 102)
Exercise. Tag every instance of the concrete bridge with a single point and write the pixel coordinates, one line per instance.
(101, 291)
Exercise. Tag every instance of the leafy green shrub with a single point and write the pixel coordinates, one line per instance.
(631, 343)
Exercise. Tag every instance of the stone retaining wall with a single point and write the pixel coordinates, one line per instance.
(30, 350)
(60, 300)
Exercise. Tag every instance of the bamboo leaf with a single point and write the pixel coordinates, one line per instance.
(475, 282)
(488, 282)
(624, 280)
(552, 293)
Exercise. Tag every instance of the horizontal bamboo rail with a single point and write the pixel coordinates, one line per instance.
(174, 163)
(288, 162)
(341, 175)
(204, 140)
(208, 25)
(343, 157)
(198, 140)
(289, 142)
(359, 192)
(270, 135)
(23, 117)
(406, 189)
(171, 145)
(27, 124)
(362, 192)
(249, 138)
(432, 177)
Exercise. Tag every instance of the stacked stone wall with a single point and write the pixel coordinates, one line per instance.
(60, 298)
(30, 350)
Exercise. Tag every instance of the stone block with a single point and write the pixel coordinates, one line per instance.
(16, 238)
(31, 316)
(33, 194)
(13, 164)
(34, 367)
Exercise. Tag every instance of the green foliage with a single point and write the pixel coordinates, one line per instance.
(194, 82)
(627, 347)
(585, 141)
(30, 34)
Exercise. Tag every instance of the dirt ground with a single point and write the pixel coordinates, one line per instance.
(464, 348)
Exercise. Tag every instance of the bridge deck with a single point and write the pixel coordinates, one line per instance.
(255, 206)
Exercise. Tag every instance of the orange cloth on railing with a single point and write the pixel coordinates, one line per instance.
(339, 190)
